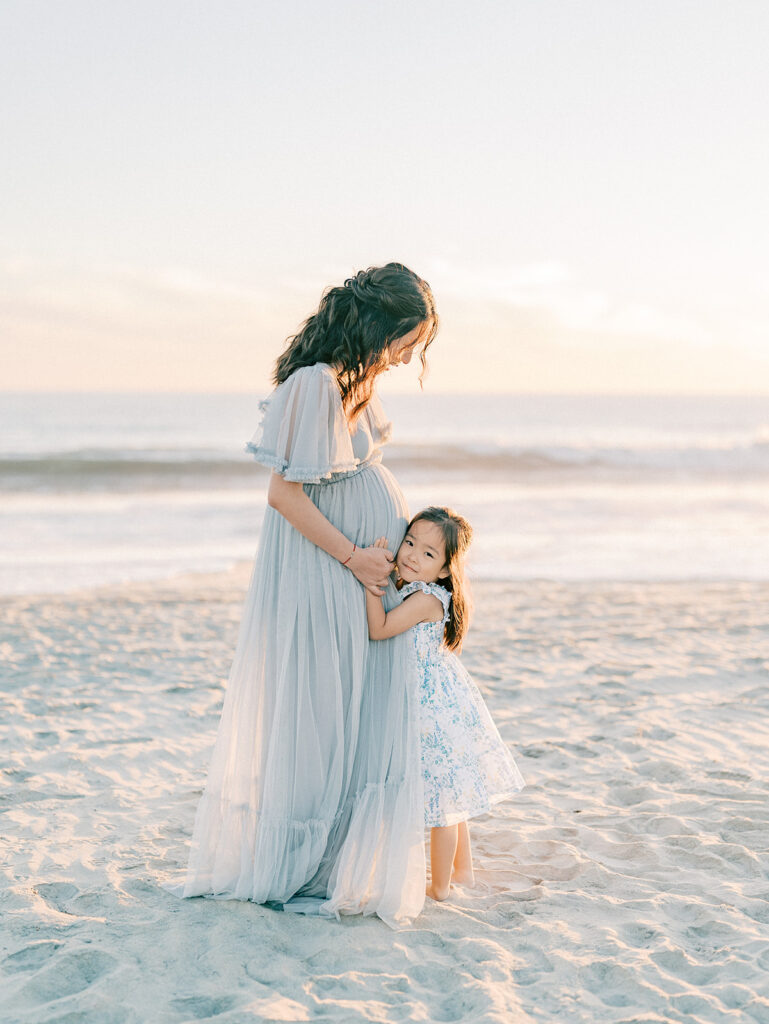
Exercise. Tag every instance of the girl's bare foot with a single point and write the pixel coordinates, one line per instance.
(436, 894)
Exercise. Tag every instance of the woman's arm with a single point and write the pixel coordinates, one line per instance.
(419, 607)
(372, 566)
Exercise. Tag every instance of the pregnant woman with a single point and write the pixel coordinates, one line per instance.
(313, 801)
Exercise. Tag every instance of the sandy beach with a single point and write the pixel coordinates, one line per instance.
(626, 883)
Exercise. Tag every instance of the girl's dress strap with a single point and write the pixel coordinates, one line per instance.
(434, 589)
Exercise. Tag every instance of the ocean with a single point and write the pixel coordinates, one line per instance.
(108, 488)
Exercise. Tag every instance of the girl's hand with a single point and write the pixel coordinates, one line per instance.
(372, 566)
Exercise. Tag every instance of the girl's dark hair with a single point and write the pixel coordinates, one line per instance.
(353, 326)
(457, 534)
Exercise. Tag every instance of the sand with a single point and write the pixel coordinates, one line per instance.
(629, 882)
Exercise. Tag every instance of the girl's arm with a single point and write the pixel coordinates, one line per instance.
(418, 607)
(372, 566)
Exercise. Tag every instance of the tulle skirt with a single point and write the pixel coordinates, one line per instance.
(314, 796)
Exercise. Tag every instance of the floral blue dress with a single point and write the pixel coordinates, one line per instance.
(466, 765)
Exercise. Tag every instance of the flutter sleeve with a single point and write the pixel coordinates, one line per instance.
(303, 434)
(380, 427)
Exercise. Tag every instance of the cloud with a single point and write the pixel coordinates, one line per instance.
(506, 327)
(641, 320)
(549, 293)
(117, 288)
(517, 284)
(126, 327)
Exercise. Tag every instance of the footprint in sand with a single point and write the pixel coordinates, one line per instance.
(57, 894)
(69, 974)
(30, 957)
(203, 1007)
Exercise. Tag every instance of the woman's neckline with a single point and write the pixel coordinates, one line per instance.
(359, 422)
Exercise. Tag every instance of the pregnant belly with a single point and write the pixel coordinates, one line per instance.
(366, 505)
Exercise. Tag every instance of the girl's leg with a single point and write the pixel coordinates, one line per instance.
(462, 871)
(443, 846)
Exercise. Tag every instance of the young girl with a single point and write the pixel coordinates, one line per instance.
(465, 764)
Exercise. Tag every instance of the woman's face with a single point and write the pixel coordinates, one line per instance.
(401, 350)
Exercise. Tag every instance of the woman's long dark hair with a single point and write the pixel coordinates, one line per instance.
(457, 534)
(354, 325)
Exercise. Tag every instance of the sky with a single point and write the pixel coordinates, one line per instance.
(583, 185)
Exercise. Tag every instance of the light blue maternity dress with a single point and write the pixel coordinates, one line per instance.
(314, 796)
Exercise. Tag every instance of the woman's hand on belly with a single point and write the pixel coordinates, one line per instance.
(372, 566)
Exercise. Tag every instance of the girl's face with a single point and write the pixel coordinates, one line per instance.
(402, 349)
(422, 555)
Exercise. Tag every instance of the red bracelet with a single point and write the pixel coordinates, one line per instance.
(350, 556)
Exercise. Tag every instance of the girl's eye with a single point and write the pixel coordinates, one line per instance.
(429, 555)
